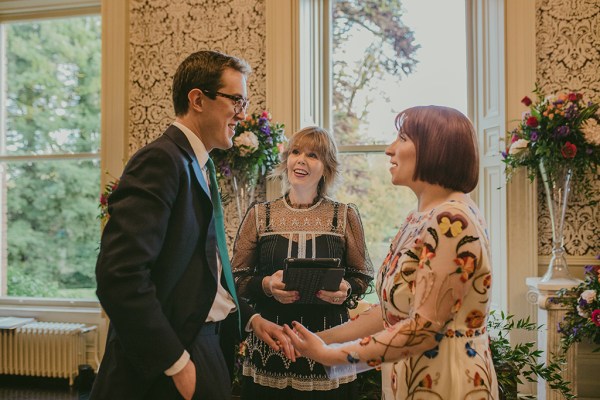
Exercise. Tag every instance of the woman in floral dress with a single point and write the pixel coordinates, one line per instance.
(428, 334)
(304, 223)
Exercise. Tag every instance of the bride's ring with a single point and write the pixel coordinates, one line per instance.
(336, 299)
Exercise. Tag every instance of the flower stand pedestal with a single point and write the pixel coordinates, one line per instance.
(549, 315)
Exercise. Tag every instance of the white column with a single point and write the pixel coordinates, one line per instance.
(549, 315)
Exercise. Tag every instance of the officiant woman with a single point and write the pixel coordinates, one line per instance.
(304, 223)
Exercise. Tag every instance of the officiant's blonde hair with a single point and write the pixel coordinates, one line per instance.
(321, 142)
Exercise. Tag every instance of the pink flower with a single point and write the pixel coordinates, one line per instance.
(265, 114)
(596, 317)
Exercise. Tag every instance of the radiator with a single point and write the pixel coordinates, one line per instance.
(46, 349)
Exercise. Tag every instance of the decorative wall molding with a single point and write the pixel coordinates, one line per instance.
(568, 59)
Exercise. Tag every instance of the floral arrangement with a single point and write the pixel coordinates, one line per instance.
(110, 187)
(563, 130)
(257, 143)
(583, 315)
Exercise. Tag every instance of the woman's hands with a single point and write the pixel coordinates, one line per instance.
(337, 297)
(310, 345)
(273, 286)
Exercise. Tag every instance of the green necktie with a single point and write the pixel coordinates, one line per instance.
(221, 240)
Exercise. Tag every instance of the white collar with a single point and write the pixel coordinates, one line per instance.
(195, 142)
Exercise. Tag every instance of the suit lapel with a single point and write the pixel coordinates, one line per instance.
(179, 138)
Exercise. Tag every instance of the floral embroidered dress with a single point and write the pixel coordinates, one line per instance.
(434, 289)
(270, 233)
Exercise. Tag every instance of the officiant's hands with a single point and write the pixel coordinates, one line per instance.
(337, 297)
(273, 286)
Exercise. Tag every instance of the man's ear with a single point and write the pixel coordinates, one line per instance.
(196, 98)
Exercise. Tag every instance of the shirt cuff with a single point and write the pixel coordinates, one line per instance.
(179, 364)
(248, 327)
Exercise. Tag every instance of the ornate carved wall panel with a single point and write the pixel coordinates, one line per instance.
(568, 59)
(162, 33)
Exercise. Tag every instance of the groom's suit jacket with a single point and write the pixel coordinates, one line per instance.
(157, 267)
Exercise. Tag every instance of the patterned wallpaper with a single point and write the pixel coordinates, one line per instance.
(164, 32)
(568, 59)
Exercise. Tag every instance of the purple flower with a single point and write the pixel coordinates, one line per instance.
(262, 121)
(588, 269)
(582, 303)
(266, 129)
(534, 136)
(561, 131)
(225, 169)
(504, 155)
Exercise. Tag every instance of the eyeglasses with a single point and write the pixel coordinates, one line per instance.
(239, 103)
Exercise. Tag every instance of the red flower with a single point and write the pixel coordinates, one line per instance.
(532, 122)
(596, 317)
(526, 100)
(427, 382)
(478, 380)
(569, 150)
(572, 97)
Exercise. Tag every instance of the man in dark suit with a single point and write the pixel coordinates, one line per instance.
(160, 277)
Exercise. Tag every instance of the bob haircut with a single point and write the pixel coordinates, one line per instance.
(446, 146)
(321, 142)
(203, 70)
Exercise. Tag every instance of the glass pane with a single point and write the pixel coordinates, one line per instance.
(395, 56)
(382, 206)
(53, 86)
(52, 229)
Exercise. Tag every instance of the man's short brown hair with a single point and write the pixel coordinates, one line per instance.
(202, 70)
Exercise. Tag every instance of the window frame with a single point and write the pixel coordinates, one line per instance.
(114, 99)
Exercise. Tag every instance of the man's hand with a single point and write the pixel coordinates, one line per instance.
(272, 334)
(309, 345)
(185, 380)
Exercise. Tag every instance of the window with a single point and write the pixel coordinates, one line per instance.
(388, 56)
(49, 155)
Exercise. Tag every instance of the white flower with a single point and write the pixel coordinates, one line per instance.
(247, 142)
(518, 146)
(582, 313)
(588, 295)
(591, 131)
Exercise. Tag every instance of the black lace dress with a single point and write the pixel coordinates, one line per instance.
(270, 233)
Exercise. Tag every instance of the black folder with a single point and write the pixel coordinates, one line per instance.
(309, 275)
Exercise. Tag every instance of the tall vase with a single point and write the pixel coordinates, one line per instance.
(244, 184)
(557, 189)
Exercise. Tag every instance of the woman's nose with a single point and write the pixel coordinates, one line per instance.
(389, 150)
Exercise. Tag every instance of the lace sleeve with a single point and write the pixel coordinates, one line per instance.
(245, 258)
(359, 270)
(449, 254)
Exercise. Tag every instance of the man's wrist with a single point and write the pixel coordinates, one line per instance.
(179, 364)
(249, 327)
